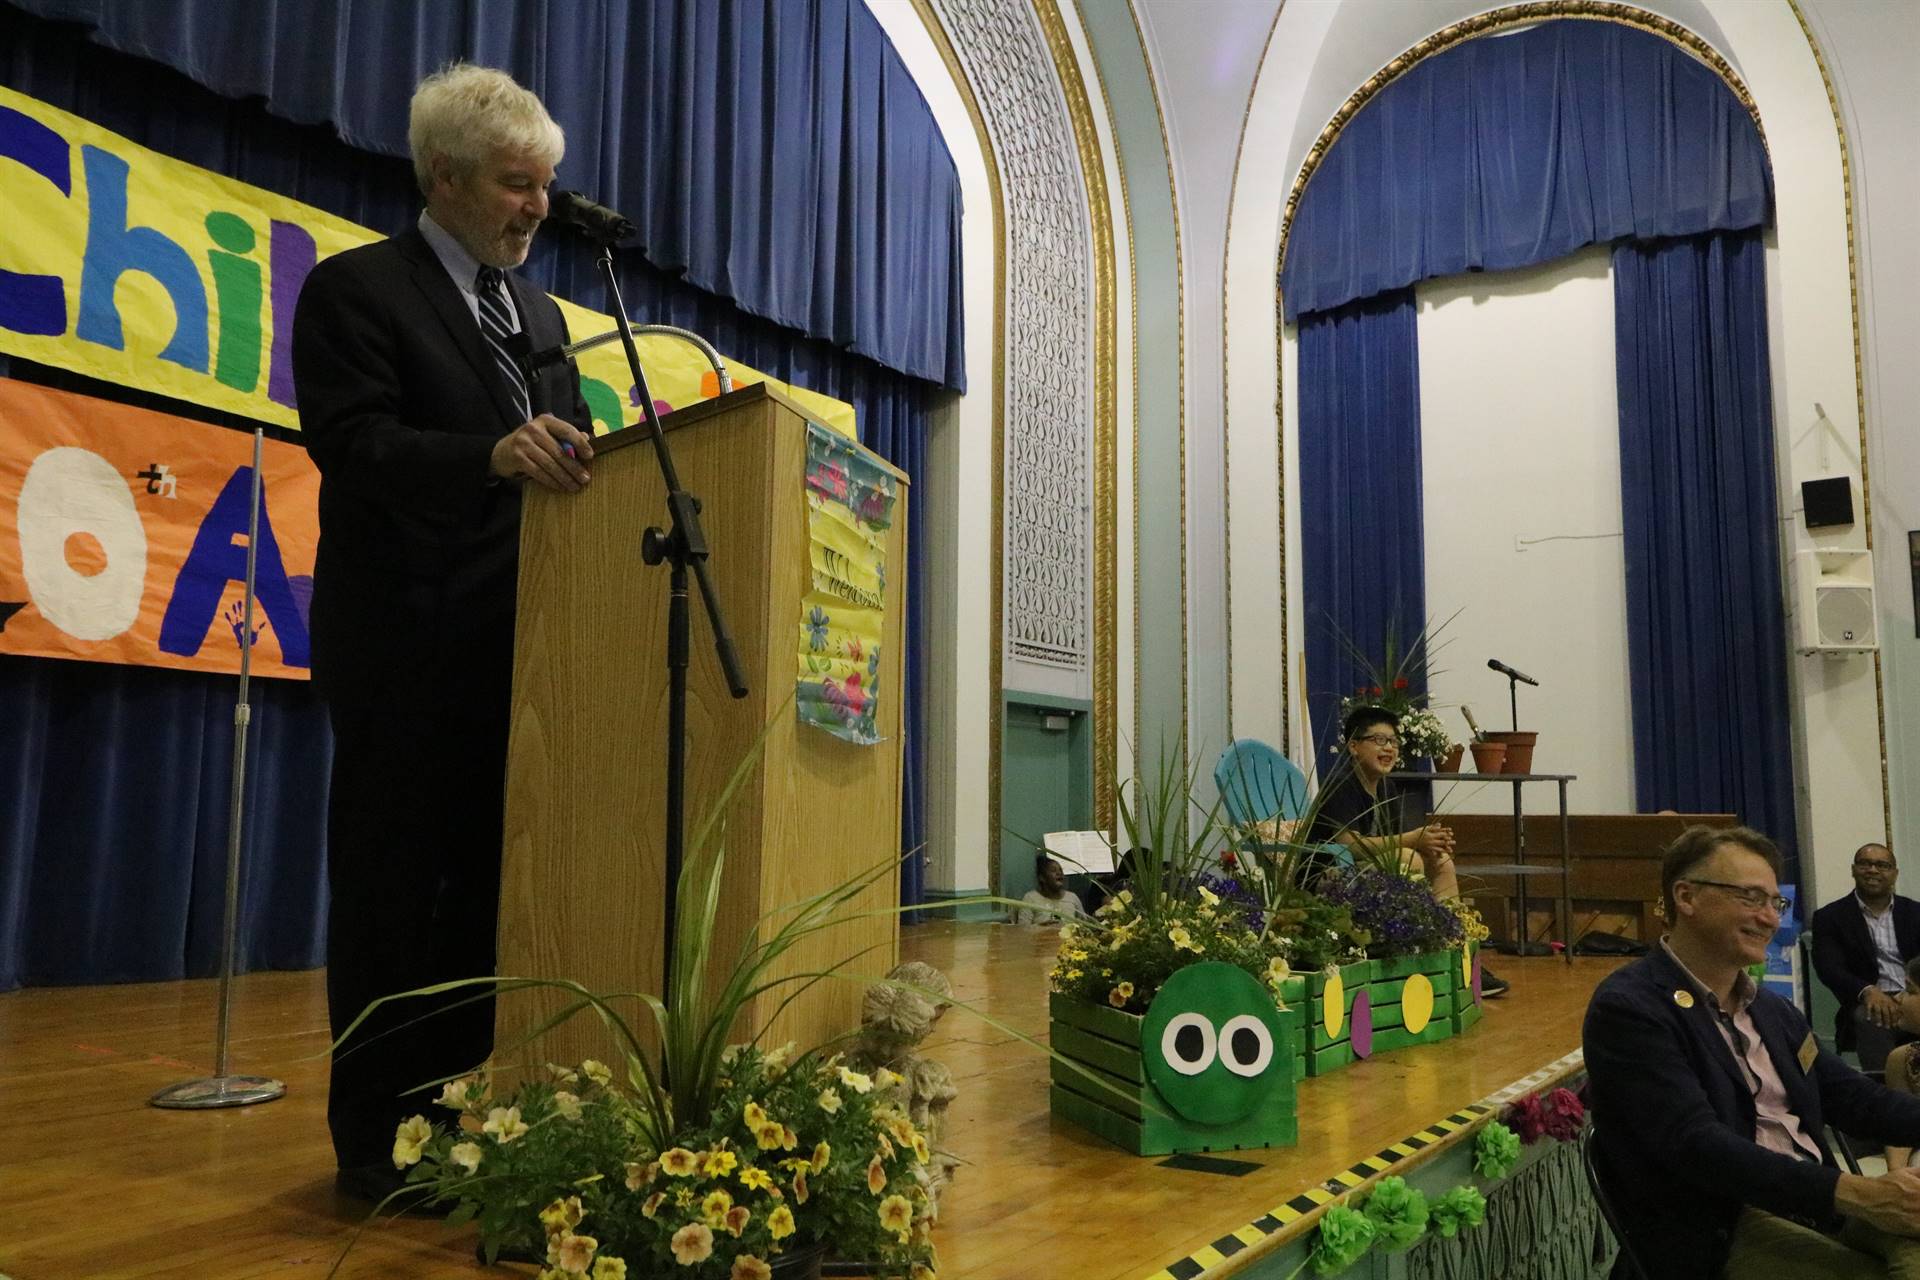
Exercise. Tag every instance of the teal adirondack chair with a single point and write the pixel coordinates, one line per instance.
(1256, 783)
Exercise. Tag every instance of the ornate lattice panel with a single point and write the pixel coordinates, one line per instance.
(1049, 373)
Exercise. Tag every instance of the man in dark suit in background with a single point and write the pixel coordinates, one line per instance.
(1711, 1097)
(1861, 945)
(424, 429)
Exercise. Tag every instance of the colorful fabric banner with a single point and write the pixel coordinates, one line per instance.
(123, 537)
(843, 609)
(138, 269)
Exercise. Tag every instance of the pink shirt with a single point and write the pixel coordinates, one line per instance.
(1775, 1126)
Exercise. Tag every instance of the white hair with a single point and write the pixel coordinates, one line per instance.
(466, 113)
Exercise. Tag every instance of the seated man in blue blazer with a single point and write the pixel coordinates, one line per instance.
(1861, 945)
(1711, 1097)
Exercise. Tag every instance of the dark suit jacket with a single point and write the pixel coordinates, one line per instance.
(401, 406)
(1843, 953)
(1674, 1117)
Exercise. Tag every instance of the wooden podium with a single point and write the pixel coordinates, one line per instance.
(582, 877)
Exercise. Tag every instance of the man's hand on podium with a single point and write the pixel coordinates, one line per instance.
(551, 453)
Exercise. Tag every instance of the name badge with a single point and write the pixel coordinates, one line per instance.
(1809, 1051)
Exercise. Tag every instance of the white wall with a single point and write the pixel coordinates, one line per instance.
(959, 642)
(1520, 454)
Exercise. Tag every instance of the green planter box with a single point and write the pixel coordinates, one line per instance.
(1323, 1051)
(1104, 1087)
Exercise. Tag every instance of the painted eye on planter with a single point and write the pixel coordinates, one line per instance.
(1213, 1045)
(1188, 1044)
(1246, 1046)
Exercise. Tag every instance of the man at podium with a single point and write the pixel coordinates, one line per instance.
(423, 428)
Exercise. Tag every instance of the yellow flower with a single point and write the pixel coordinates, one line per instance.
(895, 1213)
(408, 1139)
(788, 1138)
(714, 1207)
(829, 1102)
(756, 1178)
(777, 1058)
(800, 1192)
(601, 1074)
(753, 1114)
(1119, 996)
(504, 1124)
(887, 1079)
(821, 1153)
(1181, 939)
(566, 1105)
(562, 1215)
(640, 1175)
(1208, 896)
(920, 1151)
(855, 1081)
(467, 1156)
(780, 1223)
(720, 1163)
(876, 1176)
(692, 1244)
(1278, 970)
(737, 1219)
(565, 1075)
(886, 1147)
(454, 1093)
(609, 1269)
(748, 1267)
(769, 1135)
(678, 1162)
(1071, 974)
(652, 1206)
(572, 1254)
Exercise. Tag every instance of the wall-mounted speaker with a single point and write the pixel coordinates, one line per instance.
(1834, 611)
(1827, 503)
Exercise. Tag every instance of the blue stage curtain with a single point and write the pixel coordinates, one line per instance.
(1362, 544)
(1705, 627)
(113, 780)
(1512, 150)
(775, 151)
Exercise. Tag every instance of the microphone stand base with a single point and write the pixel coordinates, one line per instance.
(218, 1091)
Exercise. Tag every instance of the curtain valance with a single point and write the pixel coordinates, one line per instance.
(775, 151)
(1512, 150)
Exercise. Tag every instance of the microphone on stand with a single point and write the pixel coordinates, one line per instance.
(1511, 674)
(575, 210)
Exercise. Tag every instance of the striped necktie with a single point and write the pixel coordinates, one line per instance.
(496, 323)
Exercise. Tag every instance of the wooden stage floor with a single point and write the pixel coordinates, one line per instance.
(96, 1185)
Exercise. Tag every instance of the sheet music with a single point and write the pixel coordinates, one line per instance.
(1089, 851)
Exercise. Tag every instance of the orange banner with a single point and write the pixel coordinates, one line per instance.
(123, 537)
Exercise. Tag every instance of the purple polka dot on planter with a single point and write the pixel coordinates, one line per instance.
(1476, 980)
(1362, 1029)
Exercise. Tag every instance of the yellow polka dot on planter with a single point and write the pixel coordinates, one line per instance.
(1333, 1002)
(1416, 1003)
(1466, 967)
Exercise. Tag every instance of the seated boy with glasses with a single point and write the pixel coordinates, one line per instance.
(1360, 808)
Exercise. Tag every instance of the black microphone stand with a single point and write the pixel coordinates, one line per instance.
(682, 547)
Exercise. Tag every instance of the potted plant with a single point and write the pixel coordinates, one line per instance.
(1143, 992)
(693, 1157)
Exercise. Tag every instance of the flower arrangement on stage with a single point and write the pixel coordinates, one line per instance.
(1391, 686)
(694, 1157)
(1399, 913)
(577, 1171)
(1559, 1115)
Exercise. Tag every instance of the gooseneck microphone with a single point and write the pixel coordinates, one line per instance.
(1511, 674)
(575, 210)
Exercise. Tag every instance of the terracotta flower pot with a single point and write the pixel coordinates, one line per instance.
(1489, 756)
(1451, 762)
(1519, 743)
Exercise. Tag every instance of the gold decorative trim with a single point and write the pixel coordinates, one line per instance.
(936, 29)
(1133, 365)
(1226, 380)
(1180, 381)
(1859, 389)
(1482, 24)
(1079, 109)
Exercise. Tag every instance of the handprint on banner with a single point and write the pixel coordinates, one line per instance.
(234, 619)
